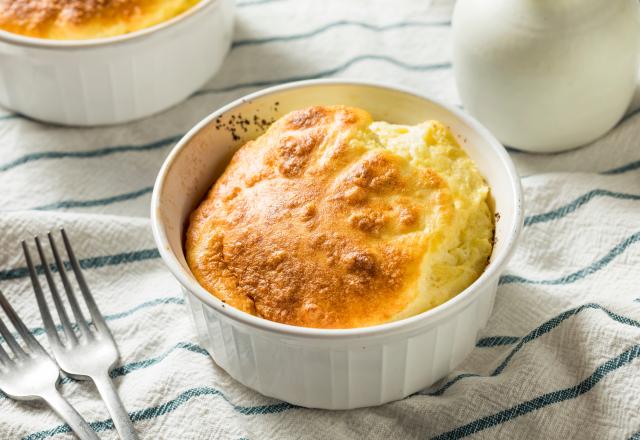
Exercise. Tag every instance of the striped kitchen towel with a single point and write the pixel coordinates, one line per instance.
(557, 360)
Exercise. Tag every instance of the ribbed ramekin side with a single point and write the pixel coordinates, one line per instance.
(341, 373)
(433, 353)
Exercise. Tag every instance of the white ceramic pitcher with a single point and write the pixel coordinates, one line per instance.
(546, 75)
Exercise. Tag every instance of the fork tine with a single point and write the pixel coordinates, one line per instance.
(18, 324)
(62, 313)
(86, 293)
(71, 296)
(50, 328)
(6, 334)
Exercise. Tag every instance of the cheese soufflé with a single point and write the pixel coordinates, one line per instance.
(86, 19)
(332, 220)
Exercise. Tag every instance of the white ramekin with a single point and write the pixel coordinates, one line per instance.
(117, 79)
(320, 368)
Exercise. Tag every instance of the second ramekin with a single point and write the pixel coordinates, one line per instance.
(117, 79)
(321, 368)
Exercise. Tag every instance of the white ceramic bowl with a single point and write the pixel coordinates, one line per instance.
(322, 368)
(116, 79)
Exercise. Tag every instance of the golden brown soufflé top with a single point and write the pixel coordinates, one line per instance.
(331, 220)
(85, 19)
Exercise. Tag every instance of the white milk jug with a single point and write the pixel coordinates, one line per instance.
(546, 75)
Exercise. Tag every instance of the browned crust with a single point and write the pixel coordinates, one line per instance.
(308, 227)
(37, 17)
(35, 13)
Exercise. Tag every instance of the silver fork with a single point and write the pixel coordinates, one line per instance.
(32, 375)
(90, 354)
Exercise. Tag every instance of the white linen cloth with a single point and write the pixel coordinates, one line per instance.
(557, 360)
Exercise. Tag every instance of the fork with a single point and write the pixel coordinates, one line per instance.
(33, 375)
(92, 353)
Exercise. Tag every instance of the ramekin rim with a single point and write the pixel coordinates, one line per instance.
(433, 315)
(46, 43)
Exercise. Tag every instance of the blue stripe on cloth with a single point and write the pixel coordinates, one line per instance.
(577, 203)
(614, 171)
(329, 72)
(166, 408)
(448, 385)
(623, 168)
(92, 153)
(89, 263)
(145, 305)
(37, 331)
(65, 204)
(635, 436)
(544, 400)
(496, 341)
(555, 322)
(534, 334)
(335, 24)
(580, 274)
(140, 365)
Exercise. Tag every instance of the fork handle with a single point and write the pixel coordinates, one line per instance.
(62, 407)
(119, 415)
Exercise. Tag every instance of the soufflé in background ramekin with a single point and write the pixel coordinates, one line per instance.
(107, 62)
